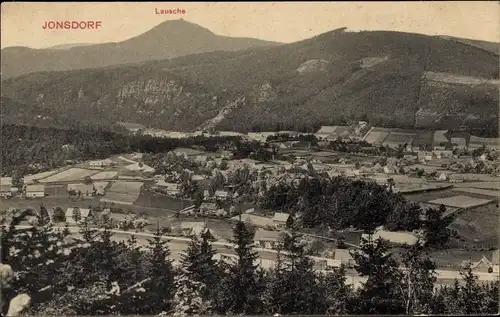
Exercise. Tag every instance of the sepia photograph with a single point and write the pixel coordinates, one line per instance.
(250, 158)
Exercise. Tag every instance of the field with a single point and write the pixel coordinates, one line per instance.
(376, 137)
(153, 200)
(123, 193)
(438, 194)
(126, 187)
(30, 178)
(479, 226)
(460, 201)
(104, 175)
(398, 137)
(71, 174)
(485, 192)
(480, 185)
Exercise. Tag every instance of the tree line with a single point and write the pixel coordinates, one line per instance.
(340, 203)
(31, 149)
(97, 275)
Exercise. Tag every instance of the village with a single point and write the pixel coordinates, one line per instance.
(139, 192)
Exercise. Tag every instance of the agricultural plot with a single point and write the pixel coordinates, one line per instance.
(72, 174)
(399, 138)
(476, 142)
(28, 179)
(376, 137)
(461, 201)
(125, 193)
(126, 187)
(479, 226)
(119, 198)
(484, 192)
(104, 175)
(480, 185)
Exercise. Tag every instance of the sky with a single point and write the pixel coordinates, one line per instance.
(21, 22)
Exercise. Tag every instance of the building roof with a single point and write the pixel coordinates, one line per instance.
(483, 261)
(266, 235)
(84, 212)
(342, 255)
(6, 181)
(221, 193)
(35, 188)
(81, 187)
(256, 220)
(281, 217)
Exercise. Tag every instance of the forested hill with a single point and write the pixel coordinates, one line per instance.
(392, 79)
(167, 40)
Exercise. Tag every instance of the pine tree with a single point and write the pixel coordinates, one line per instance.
(244, 281)
(300, 290)
(160, 272)
(338, 293)
(199, 263)
(188, 298)
(471, 296)
(379, 294)
(88, 234)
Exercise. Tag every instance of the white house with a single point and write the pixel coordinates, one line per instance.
(266, 239)
(5, 187)
(140, 167)
(85, 213)
(35, 190)
(102, 163)
(280, 219)
(171, 188)
(221, 194)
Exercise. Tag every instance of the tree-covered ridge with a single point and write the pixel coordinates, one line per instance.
(98, 276)
(28, 149)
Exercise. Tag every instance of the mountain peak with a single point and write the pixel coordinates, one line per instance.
(181, 26)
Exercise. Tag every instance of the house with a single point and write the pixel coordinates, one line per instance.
(5, 187)
(459, 143)
(456, 178)
(208, 208)
(82, 189)
(443, 177)
(221, 194)
(190, 227)
(266, 239)
(35, 190)
(280, 219)
(102, 163)
(484, 265)
(76, 214)
(140, 167)
(443, 154)
(258, 221)
(344, 257)
(170, 188)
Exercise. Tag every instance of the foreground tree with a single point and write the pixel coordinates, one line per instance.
(419, 278)
(379, 295)
(244, 282)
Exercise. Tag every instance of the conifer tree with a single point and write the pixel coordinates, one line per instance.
(300, 289)
(379, 294)
(160, 273)
(244, 282)
(189, 296)
(199, 262)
